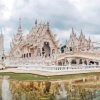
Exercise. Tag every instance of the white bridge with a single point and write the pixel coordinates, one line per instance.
(87, 58)
(87, 55)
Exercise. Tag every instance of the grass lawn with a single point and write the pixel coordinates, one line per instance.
(22, 76)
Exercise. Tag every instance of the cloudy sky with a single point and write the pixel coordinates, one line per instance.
(62, 15)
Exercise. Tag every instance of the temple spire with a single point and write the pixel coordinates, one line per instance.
(1, 34)
(48, 26)
(81, 35)
(1, 31)
(81, 31)
(72, 30)
(73, 33)
(48, 23)
(2, 43)
(89, 39)
(36, 22)
(19, 27)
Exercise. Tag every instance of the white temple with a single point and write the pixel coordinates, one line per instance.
(40, 48)
(79, 43)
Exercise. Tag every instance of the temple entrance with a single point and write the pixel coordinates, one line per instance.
(73, 61)
(91, 62)
(70, 48)
(80, 62)
(46, 49)
(85, 62)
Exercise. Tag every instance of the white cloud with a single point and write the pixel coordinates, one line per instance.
(62, 14)
(7, 9)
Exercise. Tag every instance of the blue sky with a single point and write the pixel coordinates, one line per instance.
(62, 15)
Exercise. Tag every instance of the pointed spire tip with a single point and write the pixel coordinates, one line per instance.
(19, 23)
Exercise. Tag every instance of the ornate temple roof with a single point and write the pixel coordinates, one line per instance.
(39, 32)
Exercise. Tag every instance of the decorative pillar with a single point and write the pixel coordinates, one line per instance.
(65, 62)
(69, 61)
(77, 61)
(98, 63)
(62, 62)
(83, 62)
(87, 62)
(50, 50)
(57, 62)
(41, 53)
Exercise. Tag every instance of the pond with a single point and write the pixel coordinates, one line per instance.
(49, 90)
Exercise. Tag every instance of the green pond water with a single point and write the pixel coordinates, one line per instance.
(49, 90)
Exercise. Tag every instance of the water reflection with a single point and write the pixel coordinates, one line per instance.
(62, 94)
(50, 90)
(6, 94)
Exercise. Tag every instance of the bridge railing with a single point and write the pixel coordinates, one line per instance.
(91, 55)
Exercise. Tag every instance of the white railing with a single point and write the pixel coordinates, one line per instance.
(53, 68)
(15, 62)
(40, 65)
(91, 55)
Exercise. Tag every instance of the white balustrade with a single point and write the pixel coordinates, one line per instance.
(39, 64)
(54, 68)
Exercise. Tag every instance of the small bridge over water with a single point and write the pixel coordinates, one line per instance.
(87, 58)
